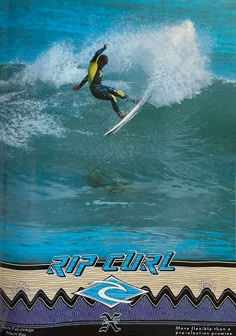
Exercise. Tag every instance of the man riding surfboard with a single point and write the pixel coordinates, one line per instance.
(98, 90)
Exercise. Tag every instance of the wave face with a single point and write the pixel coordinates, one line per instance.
(165, 181)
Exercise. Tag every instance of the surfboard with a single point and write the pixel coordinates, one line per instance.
(127, 118)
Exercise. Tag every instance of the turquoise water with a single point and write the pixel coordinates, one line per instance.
(166, 181)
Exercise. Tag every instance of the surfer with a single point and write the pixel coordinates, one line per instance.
(98, 90)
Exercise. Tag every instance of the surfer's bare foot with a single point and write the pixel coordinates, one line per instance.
(136, 101)
(122, 115)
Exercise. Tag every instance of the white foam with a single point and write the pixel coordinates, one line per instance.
(168, 61)
(27, 120)
(10, 96)
(58, 65)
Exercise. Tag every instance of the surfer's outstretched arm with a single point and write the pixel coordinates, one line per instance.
(77, 87)
(98, 53)
(84, 81)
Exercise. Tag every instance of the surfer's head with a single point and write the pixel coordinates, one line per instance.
(103, 60)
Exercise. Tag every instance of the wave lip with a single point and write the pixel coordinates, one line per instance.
(179, 68)
(58, 65)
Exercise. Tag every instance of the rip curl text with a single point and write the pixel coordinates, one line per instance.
(130, 262)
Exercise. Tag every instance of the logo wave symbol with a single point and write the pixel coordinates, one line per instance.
(102, 292)
(111, 292)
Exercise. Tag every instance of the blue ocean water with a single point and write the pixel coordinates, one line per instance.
(166, 181)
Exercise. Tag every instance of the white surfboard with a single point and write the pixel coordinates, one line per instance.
(128, 117)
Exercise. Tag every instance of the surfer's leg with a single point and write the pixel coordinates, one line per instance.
(116, 107)
(116, 93)
(105, 94)
(114, 104)
(122, 95)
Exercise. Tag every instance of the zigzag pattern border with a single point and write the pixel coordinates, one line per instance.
(154, 300)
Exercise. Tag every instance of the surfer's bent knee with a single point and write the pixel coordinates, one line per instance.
(113, 98)
(121, 93)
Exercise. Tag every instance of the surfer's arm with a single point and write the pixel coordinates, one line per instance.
(77, 87)
(98, 53)
(84, 81)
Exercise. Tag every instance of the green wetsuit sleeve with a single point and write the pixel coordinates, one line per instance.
(97, 54)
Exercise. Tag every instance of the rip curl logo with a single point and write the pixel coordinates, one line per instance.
(111, 292)
(132, 261)
(110, 322)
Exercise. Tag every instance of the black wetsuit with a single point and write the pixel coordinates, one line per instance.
(98, 90)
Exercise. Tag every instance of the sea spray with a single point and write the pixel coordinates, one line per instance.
(27, 120)
(163, 64)
(167, 62)
(58, 65)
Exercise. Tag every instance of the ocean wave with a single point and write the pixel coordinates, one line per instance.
(168, 61)
(167, 65)
(23, 119)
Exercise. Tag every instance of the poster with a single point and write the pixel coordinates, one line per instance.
(131, 233)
